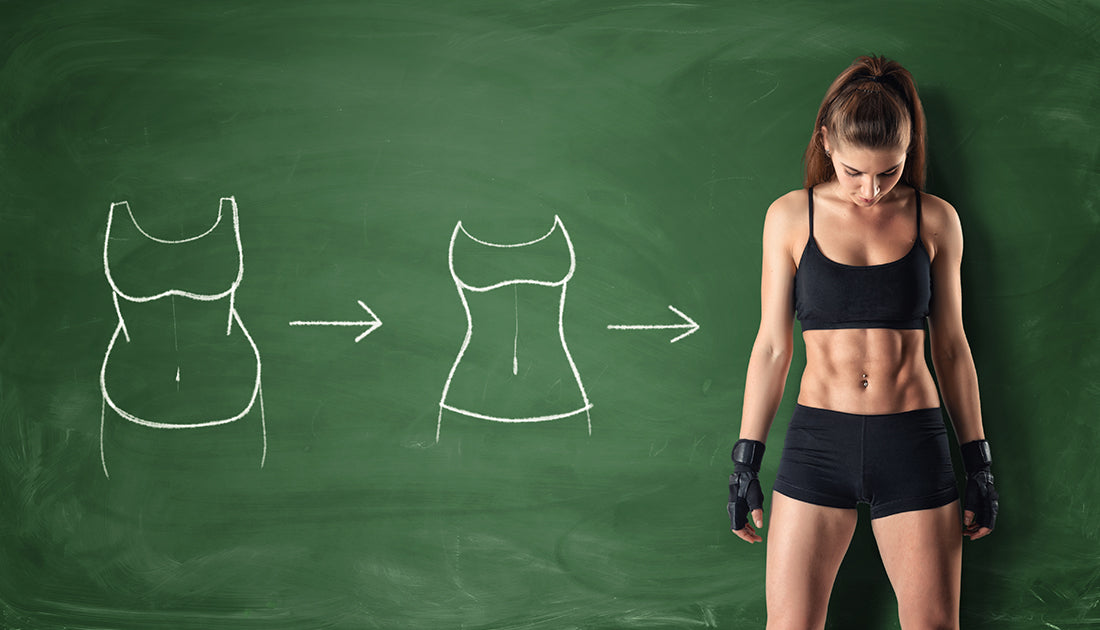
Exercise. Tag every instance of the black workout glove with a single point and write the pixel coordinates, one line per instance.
(981, 496)
(745, 492)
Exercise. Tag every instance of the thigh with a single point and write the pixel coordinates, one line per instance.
(806, 544)
(922, 553)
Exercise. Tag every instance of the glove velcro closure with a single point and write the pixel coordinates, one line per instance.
(976, 456)
(748, 453)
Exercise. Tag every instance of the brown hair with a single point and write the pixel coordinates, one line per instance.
(868, 106)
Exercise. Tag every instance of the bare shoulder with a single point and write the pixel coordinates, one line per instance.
(786, 222)
(940, 224)
(938, 215)
(791, 204)
(788, 212)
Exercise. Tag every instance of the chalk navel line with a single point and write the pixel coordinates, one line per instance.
(233, 317)
(515, 338)
(464, 287)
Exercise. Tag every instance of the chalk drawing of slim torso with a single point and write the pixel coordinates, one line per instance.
(514, 364)
(180, 357)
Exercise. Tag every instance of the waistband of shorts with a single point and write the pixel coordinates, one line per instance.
(818, 413)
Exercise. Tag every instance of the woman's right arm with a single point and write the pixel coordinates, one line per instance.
(771, 352)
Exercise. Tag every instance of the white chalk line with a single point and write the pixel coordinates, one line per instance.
(186, 425)
(481, 416)
(690, 325)
(371, 325)
(263, 428)
(102, 420)
(206, 297)
(481, 289)
(121, 319)
(515, 340)
(463, 286)
(217, 221)
(233, 316)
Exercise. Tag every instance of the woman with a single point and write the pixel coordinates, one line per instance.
(863, 258)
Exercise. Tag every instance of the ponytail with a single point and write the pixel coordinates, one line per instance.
(872, 104)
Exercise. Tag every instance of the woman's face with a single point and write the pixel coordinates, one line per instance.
(865, 175)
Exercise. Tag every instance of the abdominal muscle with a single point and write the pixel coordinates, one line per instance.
(866, 371)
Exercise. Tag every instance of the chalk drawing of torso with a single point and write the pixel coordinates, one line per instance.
(514, 364)
(180, 357)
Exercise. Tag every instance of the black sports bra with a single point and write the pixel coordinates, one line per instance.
(831, 295)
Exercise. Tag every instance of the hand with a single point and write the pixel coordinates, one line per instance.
(981, 501)
(980, 505)
(745, 493)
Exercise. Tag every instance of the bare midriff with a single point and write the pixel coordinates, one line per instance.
(866, 371)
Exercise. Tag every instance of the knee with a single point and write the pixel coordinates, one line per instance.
(794, 622)
(930, 620)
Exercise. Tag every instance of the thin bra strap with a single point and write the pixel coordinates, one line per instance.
(918, 213)
(810, 194)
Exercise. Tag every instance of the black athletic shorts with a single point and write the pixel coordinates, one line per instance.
(897, 462)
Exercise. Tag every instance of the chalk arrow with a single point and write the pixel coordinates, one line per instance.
(689, 324)
(371, 325)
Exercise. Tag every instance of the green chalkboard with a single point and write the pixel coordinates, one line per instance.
(545, 218)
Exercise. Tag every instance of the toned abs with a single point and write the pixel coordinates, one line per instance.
(866, 371)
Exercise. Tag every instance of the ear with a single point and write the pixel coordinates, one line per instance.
(824, 131)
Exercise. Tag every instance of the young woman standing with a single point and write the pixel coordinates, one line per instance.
(864, 259)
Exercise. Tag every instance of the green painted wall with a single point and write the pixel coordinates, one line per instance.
(354, 136)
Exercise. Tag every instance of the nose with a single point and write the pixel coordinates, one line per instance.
(869, 187)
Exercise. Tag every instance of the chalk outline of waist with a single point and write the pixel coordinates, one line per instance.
(463, 286)
(234, 316)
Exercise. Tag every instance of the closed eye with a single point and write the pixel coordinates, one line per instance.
(888, 173)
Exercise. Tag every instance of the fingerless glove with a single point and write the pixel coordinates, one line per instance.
(745, 492)
(981, 496)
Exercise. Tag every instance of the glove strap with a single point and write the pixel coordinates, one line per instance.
(976, 456)
(748, 453)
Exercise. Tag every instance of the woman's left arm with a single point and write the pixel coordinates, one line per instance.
(955, 370)
(958, 379)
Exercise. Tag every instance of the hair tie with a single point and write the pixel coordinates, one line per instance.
(877, 78)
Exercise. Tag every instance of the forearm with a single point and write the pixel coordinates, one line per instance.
(958, 380)
(764, 383)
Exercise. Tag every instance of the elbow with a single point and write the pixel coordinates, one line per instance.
(781, 354)
(942, 356)
(948, 354)
(774, 345)
(775, 351)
